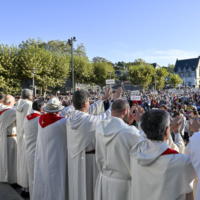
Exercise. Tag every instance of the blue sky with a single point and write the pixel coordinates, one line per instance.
(154, 30)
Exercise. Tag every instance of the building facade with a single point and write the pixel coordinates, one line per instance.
(189, 71)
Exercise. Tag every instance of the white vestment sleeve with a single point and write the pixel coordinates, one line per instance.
(171, 144)
(187, 149)
(179, 142)
(96, 108)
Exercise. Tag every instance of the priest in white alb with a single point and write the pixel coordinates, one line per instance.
(114, 140)
(159, 172)
(31, 131)
(193, 149)
(81, 128)
(8, 141)
(23, 108)
(50, 170)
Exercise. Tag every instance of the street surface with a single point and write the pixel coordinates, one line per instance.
(8, 193)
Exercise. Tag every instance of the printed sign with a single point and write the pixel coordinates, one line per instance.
(194, 89)
(179, 91)
(110, 81)
(135, 98)
(154, 92)
(135, 92)
(171, 90)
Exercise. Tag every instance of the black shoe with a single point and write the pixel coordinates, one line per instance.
(25, 194)
(15, 185)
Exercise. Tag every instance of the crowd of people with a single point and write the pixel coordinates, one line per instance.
(101, 146)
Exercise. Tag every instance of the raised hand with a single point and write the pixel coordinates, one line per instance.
(138, 112)
(118, 93)
(195, 125)
(107, 94)
(176, 123)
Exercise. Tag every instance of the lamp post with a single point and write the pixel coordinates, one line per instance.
(34, 89)
(155, 81)
(70, 42)
(110, 77)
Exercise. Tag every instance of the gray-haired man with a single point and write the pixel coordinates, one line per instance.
(159, 172)
(23, 108)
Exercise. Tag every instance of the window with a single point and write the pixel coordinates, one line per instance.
(186, 74)
(189, 74)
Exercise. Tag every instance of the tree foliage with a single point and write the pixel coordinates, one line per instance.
(83, 69)
(141, 73)
(102, 71)
(175, 79)
(170, 68)
(9, 80)
(161, 73)
(102, 60)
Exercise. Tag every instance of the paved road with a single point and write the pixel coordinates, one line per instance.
(8, 193)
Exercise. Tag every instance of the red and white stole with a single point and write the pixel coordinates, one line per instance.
(48, 119)
(32, 116)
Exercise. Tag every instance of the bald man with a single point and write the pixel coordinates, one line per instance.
(114, 140)
(8, 141)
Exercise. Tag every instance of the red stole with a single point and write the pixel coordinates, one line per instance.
(4, 110)
(48, 119)
(32, 116)
(169, 151)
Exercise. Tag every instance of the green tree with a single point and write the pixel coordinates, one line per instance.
(124, 77)
(83, 69)
(141, 73)
(53, 70)
(161, 73)
(9, 81)
(29, 57)
(140, 62)
(103, 60)
(174, 79)
(102, 72)
(170, 68)
(55, 46)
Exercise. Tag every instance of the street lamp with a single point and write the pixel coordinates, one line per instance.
(155, 81)
(34, 88)
(110, 74)
(110, 77)
(70, 42)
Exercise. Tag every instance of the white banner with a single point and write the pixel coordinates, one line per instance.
(194, 89)
(110, 81)
(135, 98)
(171, 90)
(154, 92)
(135, 92)
(179, 91)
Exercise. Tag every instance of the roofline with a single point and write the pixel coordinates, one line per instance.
(188, 59)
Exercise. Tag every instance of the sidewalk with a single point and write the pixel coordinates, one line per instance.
(8, 193)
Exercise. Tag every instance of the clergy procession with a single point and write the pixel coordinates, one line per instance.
(89, 151)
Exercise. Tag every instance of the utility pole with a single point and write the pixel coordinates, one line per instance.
(34, 88)
(110, 77)
(70, 42)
